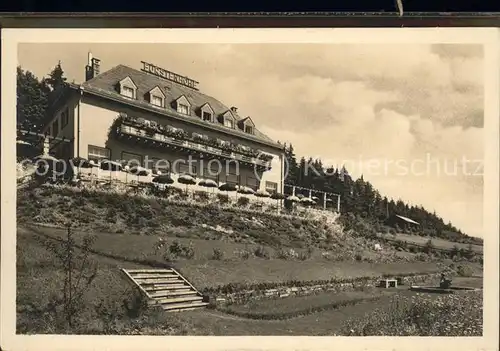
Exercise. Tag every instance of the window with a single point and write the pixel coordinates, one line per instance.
(55, 127)
(249, 129)
(131, 159)
(252, 183)
(271, 187)
(232, 179)
(228, 122)
(97, 153)
(127, 91)
(64, 118)
(211, 173)
(186, 168)
(157, 100)
(207, 116)
(184, 109)
(157, 164)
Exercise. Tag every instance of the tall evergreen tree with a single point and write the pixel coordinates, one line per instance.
(56, 77)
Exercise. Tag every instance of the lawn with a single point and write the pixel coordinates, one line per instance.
(205, 272)
(39, 278)
(437, 242)
(289, 307)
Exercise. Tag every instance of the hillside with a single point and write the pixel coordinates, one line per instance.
(113, 212)
(359, 197)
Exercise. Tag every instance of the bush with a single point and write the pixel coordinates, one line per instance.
(448, 315)
(176, 249)
(286, 254)
(218, 254)
(358, 257)
(305, 255)
(202, 195)
(243, 201)
(223, 198)
(464, 271)
(243, 254)
(261, 252)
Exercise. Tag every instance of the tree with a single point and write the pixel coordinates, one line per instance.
(56, 77)
(291, 176)
(79, 274)
(32, 100)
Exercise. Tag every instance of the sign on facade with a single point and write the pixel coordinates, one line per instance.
(165, 74)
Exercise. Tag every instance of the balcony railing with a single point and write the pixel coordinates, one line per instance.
(134, 131)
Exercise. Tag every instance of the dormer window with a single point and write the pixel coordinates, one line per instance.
(207, 114)
(156, 97)
(229, 123)
(247, 125)
(183, 105)
(184, 109)
(128, 88)
(228, 120)
(157, 100)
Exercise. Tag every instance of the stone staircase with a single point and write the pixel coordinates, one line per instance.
(166, 288)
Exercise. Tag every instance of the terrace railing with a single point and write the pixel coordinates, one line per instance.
(129, 130)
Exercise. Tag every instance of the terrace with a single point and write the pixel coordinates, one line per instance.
(152, 134)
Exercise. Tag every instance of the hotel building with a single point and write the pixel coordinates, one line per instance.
(161, 121)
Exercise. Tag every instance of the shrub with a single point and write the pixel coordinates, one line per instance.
(326, 255)
(243, 254)
(464, 271)
(243, 201)
(202, 195)
(305, 255)
(286, 254)
(358, 257)
(448, 315)
(261, 252)
(176, 249)
(429, 246)
(218, 254)
(223, 198)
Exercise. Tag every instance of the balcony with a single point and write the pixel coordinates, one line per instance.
(183, 143)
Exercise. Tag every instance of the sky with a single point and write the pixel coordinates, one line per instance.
(408, 117)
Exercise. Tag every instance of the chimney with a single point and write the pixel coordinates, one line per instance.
(93, 67)
(234, 109)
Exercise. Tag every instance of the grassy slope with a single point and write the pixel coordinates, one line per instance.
(437, 242)
(206, 272)
(126, 230)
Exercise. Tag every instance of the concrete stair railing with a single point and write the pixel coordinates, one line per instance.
(166, 288)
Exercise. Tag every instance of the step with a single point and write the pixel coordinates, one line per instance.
(154, 276)
(184, 307)
(177, 300)
(159, 281)
(177, 292)
(162, 287)
(154, 271)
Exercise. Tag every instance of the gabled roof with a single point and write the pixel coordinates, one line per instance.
(183, 98)
(228, 113)
(102, 85)
(246, 120)
(129, 80)
(157, 90)
(204, 107)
